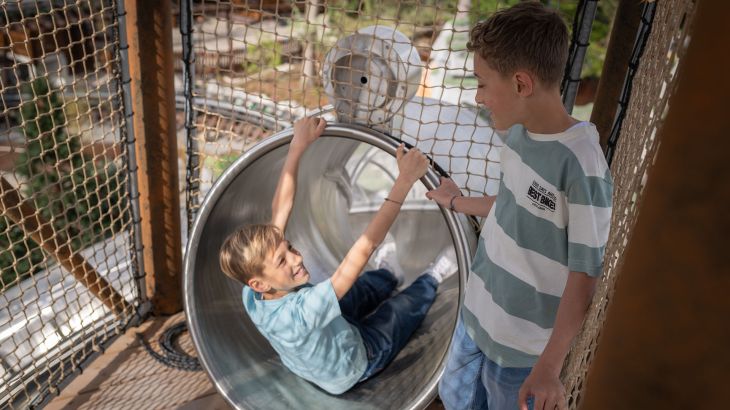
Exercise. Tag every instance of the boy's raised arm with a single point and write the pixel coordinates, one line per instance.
(412, 166)
(306, 131)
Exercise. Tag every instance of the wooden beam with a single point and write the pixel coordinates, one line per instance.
(29, 220)
(149, 32)
(615, 66)
(664, 343)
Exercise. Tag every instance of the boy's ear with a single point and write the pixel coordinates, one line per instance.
(524, 83)
(258, 285)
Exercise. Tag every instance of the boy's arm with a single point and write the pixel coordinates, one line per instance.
(448, 195)
(306, 130)
(412, 165)
(544, 381)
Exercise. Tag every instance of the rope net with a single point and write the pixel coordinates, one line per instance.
(635, 152)
(67, 252)
(253, 68)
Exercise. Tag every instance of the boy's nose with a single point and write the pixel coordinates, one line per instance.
(478, 98)
(296, 258)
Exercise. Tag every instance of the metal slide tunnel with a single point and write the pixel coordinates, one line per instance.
(343, 179)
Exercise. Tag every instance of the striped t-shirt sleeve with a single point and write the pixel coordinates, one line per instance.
(589, 217)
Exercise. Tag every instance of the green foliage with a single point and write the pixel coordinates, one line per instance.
(347, 16)
(593, 63)
(350, 15)
(261, 55)
(17, 256)
(80, 195)
(220, 164)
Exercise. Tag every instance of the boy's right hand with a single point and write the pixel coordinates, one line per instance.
(445, 192)
(306, 131)
(412, 165)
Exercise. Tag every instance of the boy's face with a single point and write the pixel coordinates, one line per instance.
(283, 272)
(499, 94)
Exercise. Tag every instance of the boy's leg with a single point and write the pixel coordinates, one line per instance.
(503, 384)
(369, 291)
(387, 330)
(461, 385)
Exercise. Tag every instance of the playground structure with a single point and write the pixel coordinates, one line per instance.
(120, 102)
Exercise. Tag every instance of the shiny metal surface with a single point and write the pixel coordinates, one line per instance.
(343, 178)
(369, 75)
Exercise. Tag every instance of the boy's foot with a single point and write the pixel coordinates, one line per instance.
(385, 257)
(444, 265)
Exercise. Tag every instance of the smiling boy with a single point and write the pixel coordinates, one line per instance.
(347, 328)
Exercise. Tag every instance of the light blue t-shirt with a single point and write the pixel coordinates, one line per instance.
(312, 338)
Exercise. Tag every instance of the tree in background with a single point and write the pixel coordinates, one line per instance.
(78, 194)
(596, 53)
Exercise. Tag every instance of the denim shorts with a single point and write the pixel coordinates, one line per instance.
(471, 381)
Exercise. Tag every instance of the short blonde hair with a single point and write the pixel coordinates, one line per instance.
(526, 36)
(244, 252)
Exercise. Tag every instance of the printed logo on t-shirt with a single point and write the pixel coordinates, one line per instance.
(541, 198)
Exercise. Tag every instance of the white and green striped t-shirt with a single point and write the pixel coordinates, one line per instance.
(551, 217)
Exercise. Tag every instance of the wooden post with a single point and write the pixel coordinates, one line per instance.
(24, 214)
(149, 28)
(664, 344)
(615, 66)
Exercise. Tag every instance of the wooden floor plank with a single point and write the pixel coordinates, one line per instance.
(125, 376)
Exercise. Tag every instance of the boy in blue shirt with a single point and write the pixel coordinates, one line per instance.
(347, 328)
(541, 247)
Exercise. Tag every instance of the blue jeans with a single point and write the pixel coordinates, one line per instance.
(471, 381)
(386, 323)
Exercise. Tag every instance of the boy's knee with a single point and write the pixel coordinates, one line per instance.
(385, 275)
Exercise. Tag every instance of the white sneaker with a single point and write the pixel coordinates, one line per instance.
(385, 257)
(445, 265)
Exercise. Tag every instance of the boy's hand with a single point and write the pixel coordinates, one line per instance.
(306, 130)
(412, 165)
(545, 387)
(443, 194)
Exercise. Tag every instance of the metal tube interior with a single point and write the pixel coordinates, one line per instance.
(343, 179)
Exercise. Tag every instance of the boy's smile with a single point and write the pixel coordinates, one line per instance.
(283, 272)
(299, 273)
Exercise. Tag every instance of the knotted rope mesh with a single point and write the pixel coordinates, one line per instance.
(637, 147)
(67, 250)
(251, 69)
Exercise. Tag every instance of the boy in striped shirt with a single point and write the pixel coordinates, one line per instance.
(541, 248)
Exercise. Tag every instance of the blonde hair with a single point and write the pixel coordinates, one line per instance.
(243, 253)
(526, 36)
